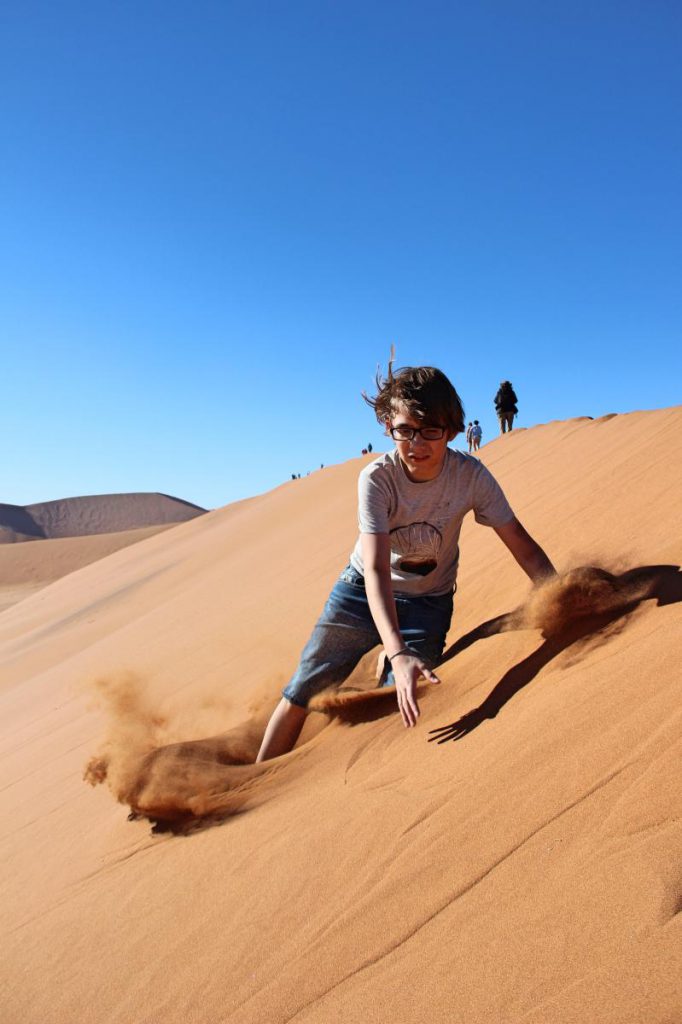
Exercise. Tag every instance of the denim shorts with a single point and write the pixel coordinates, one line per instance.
(345, 632)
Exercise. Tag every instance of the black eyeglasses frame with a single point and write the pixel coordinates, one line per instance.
(417, 430)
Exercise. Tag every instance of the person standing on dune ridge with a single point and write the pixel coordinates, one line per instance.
(505, 406)
(397, 590)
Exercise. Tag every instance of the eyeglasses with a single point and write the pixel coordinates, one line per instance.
(408, 433)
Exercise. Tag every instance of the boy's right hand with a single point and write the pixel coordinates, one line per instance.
(408, 669)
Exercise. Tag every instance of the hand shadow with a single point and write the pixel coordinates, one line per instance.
(613, 602)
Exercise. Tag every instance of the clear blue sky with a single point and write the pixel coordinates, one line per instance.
(216, 218)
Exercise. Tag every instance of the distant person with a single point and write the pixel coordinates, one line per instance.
(476, 435)
(469, 438)
(369, 447)
(505, 406)
(293, 476)
(412, 501)
(364, 451)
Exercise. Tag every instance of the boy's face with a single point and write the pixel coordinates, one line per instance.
(422, 459)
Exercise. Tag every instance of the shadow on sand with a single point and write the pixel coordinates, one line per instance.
(585, 607)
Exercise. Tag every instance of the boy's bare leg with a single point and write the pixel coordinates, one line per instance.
(282, 730)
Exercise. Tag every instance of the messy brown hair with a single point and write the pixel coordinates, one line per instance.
(425, 391)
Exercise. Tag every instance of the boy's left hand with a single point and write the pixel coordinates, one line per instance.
(408, 669)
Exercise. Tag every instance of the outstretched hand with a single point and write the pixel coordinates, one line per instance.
(408, 669)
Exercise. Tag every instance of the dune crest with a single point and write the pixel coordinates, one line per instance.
(92, 514)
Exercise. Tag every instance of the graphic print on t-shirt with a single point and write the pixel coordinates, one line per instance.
(415, 548)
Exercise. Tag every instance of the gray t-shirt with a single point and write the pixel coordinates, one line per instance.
(424, 519)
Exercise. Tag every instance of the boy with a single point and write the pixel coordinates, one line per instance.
(398, 588)
(476, 435)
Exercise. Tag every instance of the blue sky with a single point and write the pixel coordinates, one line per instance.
(217, 217)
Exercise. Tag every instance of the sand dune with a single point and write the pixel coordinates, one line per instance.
(515, 858)
(27, 568)
(92, 514)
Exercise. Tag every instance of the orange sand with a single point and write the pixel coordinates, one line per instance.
(26, 568)
(524, 869)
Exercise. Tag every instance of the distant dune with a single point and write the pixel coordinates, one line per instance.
(41, 543)
(93, 514)
(514, 859)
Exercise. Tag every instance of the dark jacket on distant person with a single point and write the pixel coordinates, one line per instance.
(505, 399)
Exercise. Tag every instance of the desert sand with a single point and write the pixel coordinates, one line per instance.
(26, 568)
(514, 858)
(40, 543)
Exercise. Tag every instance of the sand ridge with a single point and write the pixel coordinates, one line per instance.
(27, 568)
(61, 536)
(513, 858)
(92, 514)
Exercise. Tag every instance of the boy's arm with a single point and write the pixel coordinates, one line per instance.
(407, 668)
(526, 551)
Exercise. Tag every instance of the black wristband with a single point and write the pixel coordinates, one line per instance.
(403, 650)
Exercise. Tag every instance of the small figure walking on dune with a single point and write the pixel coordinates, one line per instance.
(476, 435)
(505, 406)
(412, 501)
(469, 437)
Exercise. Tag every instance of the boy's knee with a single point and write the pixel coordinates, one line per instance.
(292, 710)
